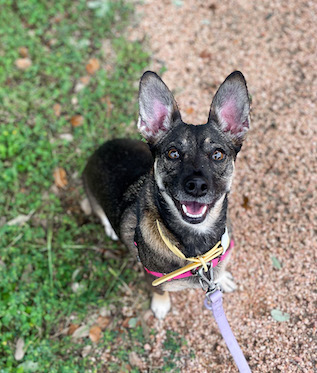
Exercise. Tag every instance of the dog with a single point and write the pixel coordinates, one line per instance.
(174, 188)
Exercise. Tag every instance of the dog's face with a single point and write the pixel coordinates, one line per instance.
(194, 168)
(194, 164)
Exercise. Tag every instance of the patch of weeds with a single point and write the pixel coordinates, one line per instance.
(56, 245)
(119, 343)
(173, 342)
(174, 347)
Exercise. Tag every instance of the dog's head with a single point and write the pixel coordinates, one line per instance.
(194, 164)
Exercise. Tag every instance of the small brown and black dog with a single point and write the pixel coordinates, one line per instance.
(181, 178)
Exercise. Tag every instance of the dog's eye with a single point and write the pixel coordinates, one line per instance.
(217, 155)
(173, 154)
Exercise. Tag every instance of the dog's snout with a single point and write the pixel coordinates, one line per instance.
(196, 186)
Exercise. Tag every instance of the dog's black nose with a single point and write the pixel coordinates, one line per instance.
(196, 186)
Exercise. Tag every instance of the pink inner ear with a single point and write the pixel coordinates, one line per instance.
(159, 114)
(229, 114)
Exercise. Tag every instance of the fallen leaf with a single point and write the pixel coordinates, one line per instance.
(72, 328)
(86, 350)
(19, 349)
(66, 136)
(23, 63)
(278, 315)
(95, 333)
(77, 120)
(92, 66)
(133, 322)
(76, 273)
(125, 323)
(60, 177)
(23, 52)
(135, 360)
(21, 219)
(29, 367)
(81, 332)
(55, 190)
(276, 263)
(246, 203)
(103, 322)
(57, 109)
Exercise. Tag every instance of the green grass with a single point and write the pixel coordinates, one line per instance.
(58, 245)
(38, 259)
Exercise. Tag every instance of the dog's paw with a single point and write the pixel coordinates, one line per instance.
(160, 305)
(226, 282)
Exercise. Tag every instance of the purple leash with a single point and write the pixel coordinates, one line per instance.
(213, 302)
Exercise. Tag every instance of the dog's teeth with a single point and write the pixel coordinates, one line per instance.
(194, 216)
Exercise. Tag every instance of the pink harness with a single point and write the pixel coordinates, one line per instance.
(213, 302)
(189, 273)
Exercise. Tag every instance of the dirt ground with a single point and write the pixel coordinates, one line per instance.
(274, 198)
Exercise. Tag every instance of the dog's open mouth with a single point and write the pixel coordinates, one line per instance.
(193, 212)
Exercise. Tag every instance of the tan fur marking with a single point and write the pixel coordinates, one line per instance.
(153, 239)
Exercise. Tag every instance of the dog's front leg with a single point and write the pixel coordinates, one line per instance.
(160, 304)
(224, 278)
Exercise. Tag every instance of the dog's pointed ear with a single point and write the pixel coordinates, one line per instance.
(230, 107)
(158, 108)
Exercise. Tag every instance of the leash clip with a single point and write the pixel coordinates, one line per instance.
(207, 284)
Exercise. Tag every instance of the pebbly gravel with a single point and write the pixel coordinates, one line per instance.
(273, 204)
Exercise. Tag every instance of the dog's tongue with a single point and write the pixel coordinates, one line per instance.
(194, 208)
